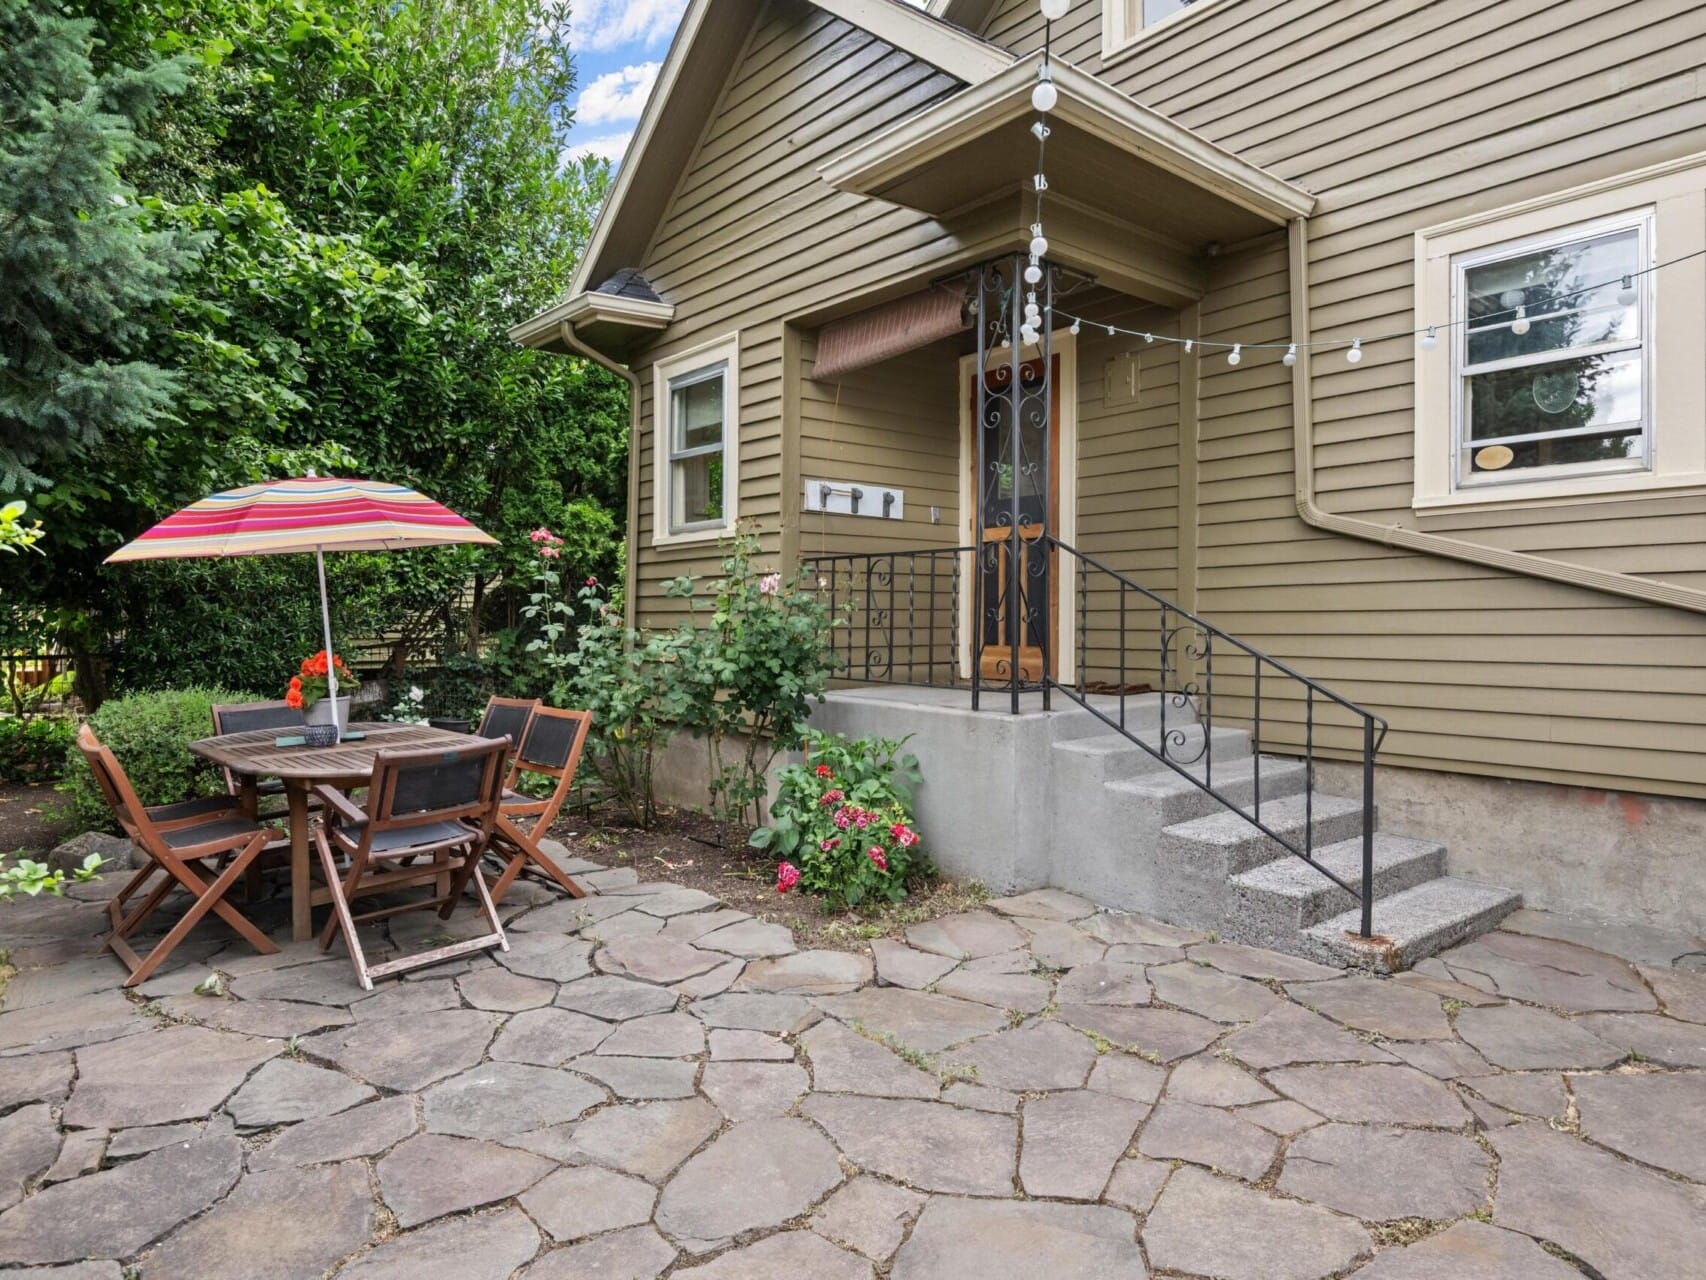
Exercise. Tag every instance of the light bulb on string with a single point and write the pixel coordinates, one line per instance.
(1055, 10)
(1039, 242)
(1235, 356)
(1033, 273)
(1074, 329)
(1519, 326)
(1626, 294)
(1189, 343)
(1149, 338)
(1354, 355)
(1290, 356)
(1430, 339)
(1045, 95)
(1112, 331)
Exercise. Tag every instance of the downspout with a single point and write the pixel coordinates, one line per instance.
(572, 341)
(1434, 544)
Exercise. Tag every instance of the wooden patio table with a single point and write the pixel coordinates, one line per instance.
(256, 754)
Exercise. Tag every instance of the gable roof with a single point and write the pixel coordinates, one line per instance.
(699, 61)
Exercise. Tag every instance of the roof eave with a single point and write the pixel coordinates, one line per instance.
(634, 315)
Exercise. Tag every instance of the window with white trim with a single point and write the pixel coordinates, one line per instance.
(1126, 21)
(696, 396)
(1557, 383)
(1552, 364)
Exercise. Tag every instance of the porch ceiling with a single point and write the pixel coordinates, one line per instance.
(1106, 153)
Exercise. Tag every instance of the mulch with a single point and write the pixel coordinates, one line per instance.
(689, 848)
(31, 821)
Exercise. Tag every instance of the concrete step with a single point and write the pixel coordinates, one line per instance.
(1113, 756)
(1273, 903)
(1179, 799)
(1236, 844)
(1142, 711)
(1411, 925)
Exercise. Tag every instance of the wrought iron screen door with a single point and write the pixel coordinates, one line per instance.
(1020, 608)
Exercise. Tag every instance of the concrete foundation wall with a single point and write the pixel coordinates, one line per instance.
(1616, 856)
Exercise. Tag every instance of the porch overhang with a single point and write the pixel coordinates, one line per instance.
(1107, 154)
(606, 322)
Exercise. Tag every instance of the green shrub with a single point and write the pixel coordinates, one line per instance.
(842, 822)
(31, 750)
(150, 734)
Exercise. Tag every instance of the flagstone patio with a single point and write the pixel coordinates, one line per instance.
(649, 1084)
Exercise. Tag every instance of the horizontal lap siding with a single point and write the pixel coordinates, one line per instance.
(752, 235)
(1398, 114)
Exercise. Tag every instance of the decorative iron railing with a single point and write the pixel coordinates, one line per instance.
(962, 617)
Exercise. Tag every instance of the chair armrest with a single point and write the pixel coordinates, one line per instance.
(337, 802)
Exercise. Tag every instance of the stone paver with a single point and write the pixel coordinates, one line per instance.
(1018, 1240)
(1380, 1174)
(927, 1145)
(487, 1246)
(572, 1204)
(781, 1167)
(1208, 1226)
(869, 1216)
(1657, 1119)
(291, 1224)
(694, 1094)
(434, 1174)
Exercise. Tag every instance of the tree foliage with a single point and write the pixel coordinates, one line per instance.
(377, 192)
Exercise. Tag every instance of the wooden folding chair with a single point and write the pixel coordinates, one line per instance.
(439, 805)
(507, 718)
(241, 717)
(551, 749)
(177, 839)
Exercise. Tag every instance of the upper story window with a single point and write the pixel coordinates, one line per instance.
(696, 396)
(1553, 366)
(1561, 382)
(1124, 22)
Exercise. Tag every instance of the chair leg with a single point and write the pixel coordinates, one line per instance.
(487, 904)
(341, 917)
(208, 897)
(527, 850)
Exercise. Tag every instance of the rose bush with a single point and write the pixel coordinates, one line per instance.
(842, 824)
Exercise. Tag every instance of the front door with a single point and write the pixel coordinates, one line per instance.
(1018, 603)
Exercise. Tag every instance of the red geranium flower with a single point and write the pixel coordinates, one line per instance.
(875, 854)
(787, 876)
(824, 771)
(831, 797)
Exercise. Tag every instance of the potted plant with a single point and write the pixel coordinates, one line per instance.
(308, 689)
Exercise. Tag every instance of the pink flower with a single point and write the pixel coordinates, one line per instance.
(824, 771)
(770, 584)
(843, 818)
(903, 835)
(831, 797)
(875, 854)
(787, 876)
(539, 535)
(827, 845)
(592, 582)
(549, 552)
(862, 818)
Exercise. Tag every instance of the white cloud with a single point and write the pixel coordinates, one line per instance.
(610, 147)
(617, 95)
(609, 24)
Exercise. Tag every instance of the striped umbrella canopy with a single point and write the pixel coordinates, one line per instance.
(313, 513)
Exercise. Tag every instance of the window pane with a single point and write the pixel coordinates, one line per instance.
(697, 485)
(1155, 10)
(1624, 442)
(1561, 395)
(698, 413)
(1546, 282)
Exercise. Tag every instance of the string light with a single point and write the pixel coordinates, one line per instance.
(1055, 10)
(1045, 95)
(1519, 326)
(1074, 329)
(1354, 355)
(1290, 356)
(1430, 339)
(1033, 273)
(1039, 242)
(1235, 356)
(1626, 294)
(1188, 344)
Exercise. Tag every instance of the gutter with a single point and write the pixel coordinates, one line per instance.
(1608, 581)
(571, 340)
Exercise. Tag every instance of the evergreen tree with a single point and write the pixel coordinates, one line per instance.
(80, 273)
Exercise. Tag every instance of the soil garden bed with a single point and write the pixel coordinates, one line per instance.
(684, 848)
(30, 818)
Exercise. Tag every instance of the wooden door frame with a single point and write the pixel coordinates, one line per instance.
(1064, 347)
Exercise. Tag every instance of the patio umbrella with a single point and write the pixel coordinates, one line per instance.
(308, 514)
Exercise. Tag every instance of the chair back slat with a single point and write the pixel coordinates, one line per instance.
(507, 718)
(115, 786)
(412, 788)
(553, 739)
(243, 717)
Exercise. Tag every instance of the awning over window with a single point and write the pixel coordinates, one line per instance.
(892, 329)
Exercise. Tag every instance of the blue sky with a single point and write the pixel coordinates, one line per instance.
(618, 47)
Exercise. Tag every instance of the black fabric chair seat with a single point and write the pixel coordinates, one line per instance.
(208, 832)
(401, 839)
(191, 808)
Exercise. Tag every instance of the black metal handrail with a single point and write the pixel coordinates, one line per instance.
(905, 623)
(1198, 645)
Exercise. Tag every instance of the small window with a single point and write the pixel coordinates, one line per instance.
(1125, 21)
(697, 404)
(697, 438)
(1552, 358)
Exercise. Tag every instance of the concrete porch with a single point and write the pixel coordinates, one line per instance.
(1058, 798)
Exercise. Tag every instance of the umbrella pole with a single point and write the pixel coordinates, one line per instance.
(326, 625)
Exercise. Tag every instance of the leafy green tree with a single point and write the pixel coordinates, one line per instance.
(80, 272)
